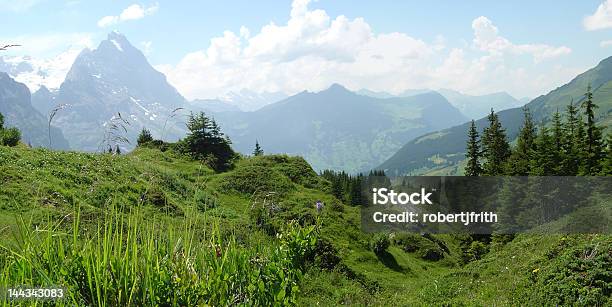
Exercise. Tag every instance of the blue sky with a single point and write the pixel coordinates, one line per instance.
(471, 46)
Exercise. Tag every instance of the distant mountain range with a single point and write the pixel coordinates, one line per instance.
(442, 152)
(338, 129)
(16, 106)
(471, 106)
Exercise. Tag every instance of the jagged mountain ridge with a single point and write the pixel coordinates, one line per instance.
(113, 79)
(16, 106)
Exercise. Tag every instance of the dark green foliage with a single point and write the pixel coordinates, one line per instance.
(575, 273)
(545, 160)
(495, 147)
(379, 243)
(144, 137)
(345, 187)
(594, 150)
(206, 142)
(573, 131)
(257, 151)
(10, 137)
(117, 150)
(326, 255)
(473, 153)
(520, 159)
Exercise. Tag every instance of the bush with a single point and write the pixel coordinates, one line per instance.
(326, 255)
(380, 243)
(10, 137)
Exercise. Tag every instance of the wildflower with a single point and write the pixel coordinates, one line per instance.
(535, 270)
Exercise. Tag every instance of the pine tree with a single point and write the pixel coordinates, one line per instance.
(520, 159)
(558, 138)
(473, 153)
(594, 149)
(117, 150)
(572, 131)
(144, 137)
(1, 121)
(495, 147)
(257, 151)
(543, 162)
(207, 143)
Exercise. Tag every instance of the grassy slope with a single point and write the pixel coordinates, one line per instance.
(41, 183)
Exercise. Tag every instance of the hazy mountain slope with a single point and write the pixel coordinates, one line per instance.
(115, 78)
(338, 129)
(16, 106)
(247, 100)
(213, 106)
(479, 106)
(445, 148)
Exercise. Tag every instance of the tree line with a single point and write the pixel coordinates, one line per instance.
(571, 145)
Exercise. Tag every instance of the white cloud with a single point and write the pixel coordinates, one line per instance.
(132, 12)
(17, 5)
(313, 50)
(487, 38)
(601, 19)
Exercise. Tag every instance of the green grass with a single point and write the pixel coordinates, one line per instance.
(147, 228)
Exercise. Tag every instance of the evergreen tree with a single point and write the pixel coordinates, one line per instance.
(520, 159)
(573, 132)
(543, 162)
(117, 150)
(355, 193)
(473, 153)
(257, 151)
(594, 148)
(144, 137)
(495, 147)
(1, 122)
(206, 142)
(558, 137)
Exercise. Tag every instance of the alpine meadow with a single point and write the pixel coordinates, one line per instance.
(232, 154)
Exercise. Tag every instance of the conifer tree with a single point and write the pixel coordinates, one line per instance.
(543, 162)
(117, 150)
(558, 138)
(594, 145)
(144, 137)
(257, 151)
(473, 154)
(495, 147)
(573, 132)
(520, 159)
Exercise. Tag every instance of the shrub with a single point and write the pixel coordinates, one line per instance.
(326, 255)
(380, 243)
(10, 137)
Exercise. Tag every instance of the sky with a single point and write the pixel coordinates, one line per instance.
(208, 48)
